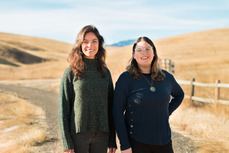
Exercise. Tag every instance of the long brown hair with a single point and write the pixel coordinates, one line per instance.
(155, 71)
(76, 56)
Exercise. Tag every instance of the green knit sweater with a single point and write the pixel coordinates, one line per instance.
(85, 104)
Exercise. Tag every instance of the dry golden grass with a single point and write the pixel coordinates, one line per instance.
(207, 125)
(47, 70)
(36, 44)
(205, 57)
(22, 124)
(46, 49)
(53, 51)
(117, 60)
(201, 55)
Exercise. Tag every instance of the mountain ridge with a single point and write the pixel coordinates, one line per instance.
(123, 43)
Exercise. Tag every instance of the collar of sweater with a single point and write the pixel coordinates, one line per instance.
(90, 63)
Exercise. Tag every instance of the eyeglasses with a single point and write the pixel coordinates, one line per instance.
(140, 50)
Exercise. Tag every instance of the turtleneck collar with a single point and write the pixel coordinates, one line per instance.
(90, 63)
(89, 59)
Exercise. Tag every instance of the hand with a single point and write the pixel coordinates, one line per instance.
(112, 150)
(69, 151)
(127, 151)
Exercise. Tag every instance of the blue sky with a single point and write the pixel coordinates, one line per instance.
(116, 20)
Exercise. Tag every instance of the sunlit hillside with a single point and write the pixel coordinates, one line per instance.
(205, 57)
(201, 55)
(23, 57)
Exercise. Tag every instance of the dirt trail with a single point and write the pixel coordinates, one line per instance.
(48, 101)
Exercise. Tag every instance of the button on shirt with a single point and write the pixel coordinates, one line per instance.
(142, 114)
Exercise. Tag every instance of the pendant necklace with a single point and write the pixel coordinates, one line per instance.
(152, 88)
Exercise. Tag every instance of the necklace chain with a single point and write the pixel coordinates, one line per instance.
(152, 88)
(148, 80)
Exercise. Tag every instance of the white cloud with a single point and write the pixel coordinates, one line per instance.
(114, 19)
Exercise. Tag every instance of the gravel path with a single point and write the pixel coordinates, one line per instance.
(48, 101)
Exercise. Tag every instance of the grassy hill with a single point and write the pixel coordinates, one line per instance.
(32, 47)
(24, 57)
(203, 55)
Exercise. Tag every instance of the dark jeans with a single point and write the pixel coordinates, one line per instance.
(138, 147)
(90, 142)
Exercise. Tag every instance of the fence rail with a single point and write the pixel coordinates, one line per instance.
(169, 65)
(217, 85)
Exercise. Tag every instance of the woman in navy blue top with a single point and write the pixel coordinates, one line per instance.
(145, 96)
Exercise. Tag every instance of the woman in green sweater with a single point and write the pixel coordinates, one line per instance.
(86, 97)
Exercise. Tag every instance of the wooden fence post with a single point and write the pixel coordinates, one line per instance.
(170, 66)
(217, 91)
(192, 89)
(173, 67)
(165, 64)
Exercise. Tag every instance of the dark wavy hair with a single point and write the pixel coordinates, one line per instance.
(76, 56)
(155, 71)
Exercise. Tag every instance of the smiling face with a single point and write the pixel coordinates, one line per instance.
(143, 54)
(90, 45)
